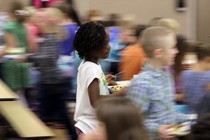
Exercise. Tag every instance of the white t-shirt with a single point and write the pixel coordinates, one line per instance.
(84, 113)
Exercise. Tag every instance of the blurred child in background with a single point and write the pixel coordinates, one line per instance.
(68, 61)
(31, 28)
(15, 72)
(119, 119)
(3, 20)
(111, 64)
(196, 81)
(133, 56)
(53, 84)
(69, 26)
(16, 33)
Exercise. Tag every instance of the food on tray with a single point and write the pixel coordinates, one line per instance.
(15, 50)
(116, 88)
(181, 129)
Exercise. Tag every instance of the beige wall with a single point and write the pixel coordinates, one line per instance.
(143, 9)
(203, 21)
(4, 4)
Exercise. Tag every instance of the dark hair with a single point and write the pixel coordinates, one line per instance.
(114, 19)
(122, 119)
(64, 7)
(138, 29)
(202, 50)
(182, 47)
(90, 36)
(73, 14)
(17, 10)
(69, 1)
(204, 105)
(201, 129)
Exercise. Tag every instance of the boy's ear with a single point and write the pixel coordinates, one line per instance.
(158, 53)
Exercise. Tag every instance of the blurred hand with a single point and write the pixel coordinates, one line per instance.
(110, 80)
(21, 58)
(163, 132)
(110, 77)
(3, 52)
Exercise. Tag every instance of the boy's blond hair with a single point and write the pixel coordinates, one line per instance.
(169, 24)
(30, 9)
(155, 38)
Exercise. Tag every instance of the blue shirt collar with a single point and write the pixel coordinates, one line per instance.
(154, 71)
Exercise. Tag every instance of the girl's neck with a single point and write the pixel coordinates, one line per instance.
(91, 59)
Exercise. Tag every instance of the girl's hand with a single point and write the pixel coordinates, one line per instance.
(3, 52)
(110, 80)
(21, 58)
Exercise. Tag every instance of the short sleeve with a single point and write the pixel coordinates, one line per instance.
(91, 74)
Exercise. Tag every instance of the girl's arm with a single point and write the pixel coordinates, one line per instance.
(31, 41)
(11, 43)
(10, 40)
(94, 93)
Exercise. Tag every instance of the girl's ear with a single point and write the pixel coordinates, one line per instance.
(158, 53)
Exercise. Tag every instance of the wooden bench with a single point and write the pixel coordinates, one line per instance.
(6, 94)
(23, 121)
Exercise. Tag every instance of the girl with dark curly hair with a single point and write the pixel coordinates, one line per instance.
(91, 43)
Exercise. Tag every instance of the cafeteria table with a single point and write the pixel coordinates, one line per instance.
(6, 94)
(25, 123)
(22, 120)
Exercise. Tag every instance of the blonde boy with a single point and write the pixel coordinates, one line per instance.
(153, 89)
